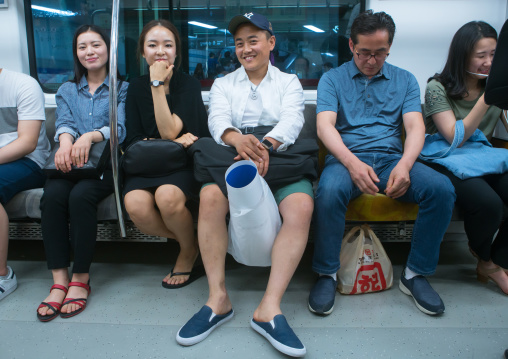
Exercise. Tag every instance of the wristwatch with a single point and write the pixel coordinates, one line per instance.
(156, 83)
(268, 145)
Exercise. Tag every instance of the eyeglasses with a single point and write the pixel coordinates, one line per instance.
(367, 55)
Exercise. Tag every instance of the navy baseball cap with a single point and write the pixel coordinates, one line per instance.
(250, 17)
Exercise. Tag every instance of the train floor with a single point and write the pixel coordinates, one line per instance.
(130, 315)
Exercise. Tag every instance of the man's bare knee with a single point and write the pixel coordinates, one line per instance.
(297, 208)
(212, 202)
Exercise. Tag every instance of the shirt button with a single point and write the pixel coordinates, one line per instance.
(368, 96)
(90, 114)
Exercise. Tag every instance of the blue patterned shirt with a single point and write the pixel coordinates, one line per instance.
(369, 111)
(79, 112)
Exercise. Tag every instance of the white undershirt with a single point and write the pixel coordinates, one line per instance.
(253, 109)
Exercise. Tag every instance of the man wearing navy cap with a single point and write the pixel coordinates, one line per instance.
(257, 97)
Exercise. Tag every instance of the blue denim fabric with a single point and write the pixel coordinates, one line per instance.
(475, 158)
(369, 111)
(79, 112)
(17, 176)
(432, 191)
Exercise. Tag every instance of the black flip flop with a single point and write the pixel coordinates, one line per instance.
(197, 272)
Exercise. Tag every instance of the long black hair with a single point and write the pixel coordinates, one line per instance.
(453, 76)
(79, 69)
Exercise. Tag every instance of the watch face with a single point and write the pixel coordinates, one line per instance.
(267, 144)
(156, 83)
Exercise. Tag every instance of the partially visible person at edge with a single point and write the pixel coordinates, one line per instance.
(69, 206)
(457, 93)
(255, 98)
(361, 108)
(212, 63)
(166, 104)
(24, 149)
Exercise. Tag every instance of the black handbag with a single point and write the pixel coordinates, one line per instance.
(98, 159)
(154, 158)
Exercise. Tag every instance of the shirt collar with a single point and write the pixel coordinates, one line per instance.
(84, 83)
(242, 75)
(384, 72)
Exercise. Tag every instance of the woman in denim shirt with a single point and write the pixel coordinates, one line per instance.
(82, 118)
(457, 94)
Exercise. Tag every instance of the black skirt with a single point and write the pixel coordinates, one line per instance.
(183, 179)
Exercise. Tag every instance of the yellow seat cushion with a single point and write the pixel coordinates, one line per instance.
(380, 208)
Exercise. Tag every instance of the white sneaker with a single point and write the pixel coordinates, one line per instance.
(8, 283)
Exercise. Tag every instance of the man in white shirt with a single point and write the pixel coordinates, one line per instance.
(253, 97)
(24, 149)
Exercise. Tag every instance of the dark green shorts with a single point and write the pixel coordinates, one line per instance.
(281, 192)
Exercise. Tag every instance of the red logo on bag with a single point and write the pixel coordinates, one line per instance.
(369, 278)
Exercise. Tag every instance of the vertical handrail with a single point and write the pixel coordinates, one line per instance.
(113, 106)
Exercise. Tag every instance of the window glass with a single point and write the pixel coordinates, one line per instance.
(311, 35)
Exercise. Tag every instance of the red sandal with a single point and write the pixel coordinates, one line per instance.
(79, 301)
(54, 306)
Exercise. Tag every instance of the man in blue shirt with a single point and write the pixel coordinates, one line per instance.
(361, 108)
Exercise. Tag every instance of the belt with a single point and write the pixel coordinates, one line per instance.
(256, 129)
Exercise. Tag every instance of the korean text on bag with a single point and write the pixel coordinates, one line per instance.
(365, 267)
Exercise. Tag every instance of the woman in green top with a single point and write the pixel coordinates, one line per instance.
(457, 94)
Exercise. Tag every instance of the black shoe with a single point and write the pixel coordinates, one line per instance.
(322, 295)
(426, 298)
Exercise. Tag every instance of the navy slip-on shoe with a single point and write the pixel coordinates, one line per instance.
(425, 297)
(201, 325)
(322, 295)
(280, 335)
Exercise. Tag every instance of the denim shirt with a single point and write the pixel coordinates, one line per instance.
(475, 158)
(79, 112)
(369, 111)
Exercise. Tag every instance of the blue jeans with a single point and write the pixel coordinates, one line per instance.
(17, 176)
(432, 191)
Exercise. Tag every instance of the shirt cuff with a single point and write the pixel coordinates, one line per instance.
(283, 141)
(220, 141)
(105, 132)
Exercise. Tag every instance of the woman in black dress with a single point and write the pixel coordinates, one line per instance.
(165, 104)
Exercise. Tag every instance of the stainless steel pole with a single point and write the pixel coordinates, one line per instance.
(113, 105)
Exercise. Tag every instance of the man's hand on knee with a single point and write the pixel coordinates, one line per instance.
(249, 147)
(364, 177)
(398, 182)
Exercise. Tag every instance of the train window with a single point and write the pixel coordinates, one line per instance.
(311, 35)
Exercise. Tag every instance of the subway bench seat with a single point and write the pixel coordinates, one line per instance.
(391, 220)
(25, 214)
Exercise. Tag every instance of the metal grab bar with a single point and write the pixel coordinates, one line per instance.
(113, 105)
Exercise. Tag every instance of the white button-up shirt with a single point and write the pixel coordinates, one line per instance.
(283, 105)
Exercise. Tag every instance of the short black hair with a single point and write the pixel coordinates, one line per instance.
(368, 22)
